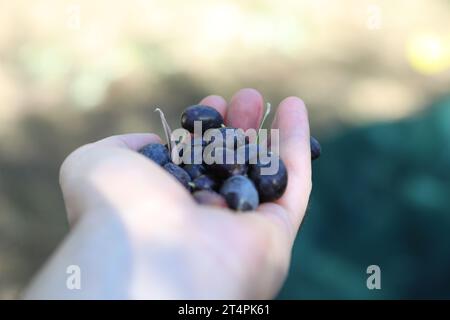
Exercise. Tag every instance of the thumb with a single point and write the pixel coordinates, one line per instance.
(109, 175)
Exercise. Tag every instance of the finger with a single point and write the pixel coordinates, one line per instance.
(292, 121)
(217, 102)
(132, 142)
(110, 173)
(245, 110)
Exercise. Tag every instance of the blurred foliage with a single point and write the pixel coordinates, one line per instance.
(380, 196)
(75, 71)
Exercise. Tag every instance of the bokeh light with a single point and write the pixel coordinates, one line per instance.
(429, 54)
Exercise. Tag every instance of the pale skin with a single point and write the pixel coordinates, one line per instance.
(136, 233)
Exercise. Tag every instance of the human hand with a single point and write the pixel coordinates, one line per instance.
(135, 220)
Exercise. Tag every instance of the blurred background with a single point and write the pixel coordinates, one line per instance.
(375, 76)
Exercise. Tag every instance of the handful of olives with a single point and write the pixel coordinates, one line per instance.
(236, 176)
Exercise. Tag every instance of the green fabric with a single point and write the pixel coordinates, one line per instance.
(381, 195)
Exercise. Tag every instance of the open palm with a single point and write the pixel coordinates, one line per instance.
(168, 246)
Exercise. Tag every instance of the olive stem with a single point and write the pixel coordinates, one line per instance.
(167, 131)
(191, 184)
(266, 114)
